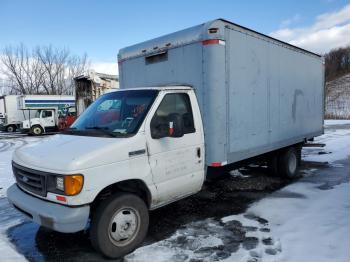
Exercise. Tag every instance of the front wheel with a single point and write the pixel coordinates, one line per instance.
(119, 225)
(36, 130)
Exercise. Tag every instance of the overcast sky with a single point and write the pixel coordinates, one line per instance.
(101, 28)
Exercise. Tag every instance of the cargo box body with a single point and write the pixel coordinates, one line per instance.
(256, 94)
(9, 112)
(30, 102)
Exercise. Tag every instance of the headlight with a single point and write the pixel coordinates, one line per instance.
(60, 183)
(68, 185)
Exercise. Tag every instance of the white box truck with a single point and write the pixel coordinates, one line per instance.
(10, 116)
(33, 113)
(211, 97)
(43, 112)
(2, 111)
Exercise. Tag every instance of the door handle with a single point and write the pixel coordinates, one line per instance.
(198, 152)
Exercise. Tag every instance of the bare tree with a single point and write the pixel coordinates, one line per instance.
(23, 70)
(77, 65)
(43, 70)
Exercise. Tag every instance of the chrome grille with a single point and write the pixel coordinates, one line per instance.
(29, 179)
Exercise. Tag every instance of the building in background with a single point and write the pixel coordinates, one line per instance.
(90, 86)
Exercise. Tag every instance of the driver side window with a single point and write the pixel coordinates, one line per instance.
(46, 114)
(173, 104)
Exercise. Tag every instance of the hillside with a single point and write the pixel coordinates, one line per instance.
(338, 98)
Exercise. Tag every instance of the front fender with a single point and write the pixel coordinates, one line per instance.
(98, 178)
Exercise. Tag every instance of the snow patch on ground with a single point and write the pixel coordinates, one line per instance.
(8, 251)
(314, 225)
(8, 218)
(332, 122)
(182, 246)
(314, 228)
(337, 147)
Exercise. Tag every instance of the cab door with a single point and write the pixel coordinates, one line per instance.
(47, 118)
(176, 162)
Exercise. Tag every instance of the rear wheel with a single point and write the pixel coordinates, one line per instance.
(119, 225)
(36, 130)
(11, 128)
(288, 162)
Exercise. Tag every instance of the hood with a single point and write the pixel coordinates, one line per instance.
(67, 153)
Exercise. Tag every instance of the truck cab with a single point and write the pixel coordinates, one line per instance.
(43, 121)
(131, 151)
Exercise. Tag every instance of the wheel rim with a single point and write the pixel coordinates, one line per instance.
(124, 226)
(292, 164)
(10, 129)
(37, 130)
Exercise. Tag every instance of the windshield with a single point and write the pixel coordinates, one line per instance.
(115, 114)
(37, 114)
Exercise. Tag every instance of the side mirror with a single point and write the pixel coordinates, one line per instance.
(171, 126)
(176, 125)
(159, 128)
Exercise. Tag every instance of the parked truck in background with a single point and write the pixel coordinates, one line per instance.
(209, 98)
(11, 116)
(49, 112)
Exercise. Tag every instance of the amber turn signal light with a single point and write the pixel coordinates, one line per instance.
(73, 184)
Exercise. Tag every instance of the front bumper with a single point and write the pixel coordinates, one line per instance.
(54, 216)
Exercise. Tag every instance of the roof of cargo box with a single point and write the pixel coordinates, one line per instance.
(199, 33)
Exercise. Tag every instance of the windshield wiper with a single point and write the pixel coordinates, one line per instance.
(102, 130)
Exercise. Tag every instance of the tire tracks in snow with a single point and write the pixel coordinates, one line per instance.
(9, 145)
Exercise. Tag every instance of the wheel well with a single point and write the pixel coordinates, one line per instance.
(135, 186)
(214, 172)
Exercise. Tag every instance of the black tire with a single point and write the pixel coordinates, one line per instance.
(11, 128)
(36, 130)
(102, 225)
(288, 162)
